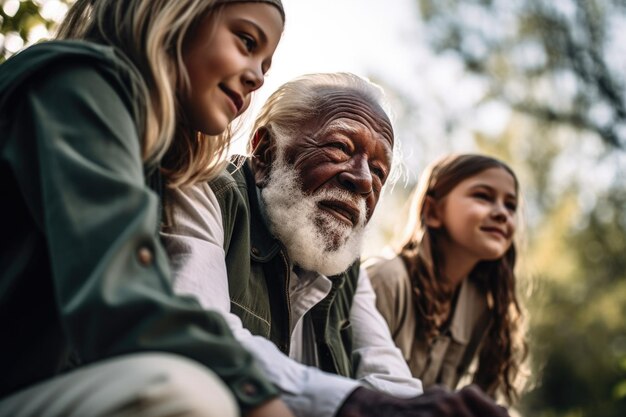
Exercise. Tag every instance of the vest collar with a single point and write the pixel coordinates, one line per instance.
(264, 246)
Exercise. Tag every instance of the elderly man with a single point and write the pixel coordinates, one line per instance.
(274, 244)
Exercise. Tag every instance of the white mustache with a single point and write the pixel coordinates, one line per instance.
(292, 219)
(346, 197)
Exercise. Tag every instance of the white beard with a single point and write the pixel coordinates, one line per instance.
(315, 240)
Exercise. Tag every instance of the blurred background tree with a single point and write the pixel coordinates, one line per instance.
(546, 93)
(26, 22)
(560, 67)
(560, 61)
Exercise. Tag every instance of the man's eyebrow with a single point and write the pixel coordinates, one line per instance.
(390, 156)
(343, 127)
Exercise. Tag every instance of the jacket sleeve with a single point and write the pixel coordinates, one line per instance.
(380, 363)
(77, 159)
(393, 291)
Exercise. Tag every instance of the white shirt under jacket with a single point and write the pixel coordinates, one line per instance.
(195, 247)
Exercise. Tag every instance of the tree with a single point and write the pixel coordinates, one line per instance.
(23, 22)
(557, 65)
(561, 62)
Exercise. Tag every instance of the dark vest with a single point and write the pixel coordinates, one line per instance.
(259, 273)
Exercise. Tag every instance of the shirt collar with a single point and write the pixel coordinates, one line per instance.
(470, 307)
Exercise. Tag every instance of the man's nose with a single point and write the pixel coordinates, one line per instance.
(357, 178)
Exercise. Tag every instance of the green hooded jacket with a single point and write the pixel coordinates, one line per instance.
(82, 272)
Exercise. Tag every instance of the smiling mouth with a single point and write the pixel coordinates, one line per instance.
(341, 210)
(235, 98)
(496, 231)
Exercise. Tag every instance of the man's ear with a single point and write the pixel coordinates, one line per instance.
(263, 154)
(431, 215)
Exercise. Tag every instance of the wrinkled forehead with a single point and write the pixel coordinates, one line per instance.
(334, 104)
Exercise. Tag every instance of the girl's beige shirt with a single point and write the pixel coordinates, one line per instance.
(448, 357)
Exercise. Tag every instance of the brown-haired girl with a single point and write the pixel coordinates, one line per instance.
(449, 294)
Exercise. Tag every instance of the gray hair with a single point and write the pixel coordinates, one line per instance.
(299, 100)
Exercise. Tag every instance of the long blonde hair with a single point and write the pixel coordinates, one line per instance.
(504, 348)
(150, 34)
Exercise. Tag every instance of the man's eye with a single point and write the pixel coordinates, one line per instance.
(378, 172)
(248, 42)
(339, 145)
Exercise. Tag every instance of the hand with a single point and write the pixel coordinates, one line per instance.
(435, 402)
(272, 408)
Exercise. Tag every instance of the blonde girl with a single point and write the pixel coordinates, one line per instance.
(132, 97)
(449, 294)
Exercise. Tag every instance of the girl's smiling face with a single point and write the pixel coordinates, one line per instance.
(478, 217)
(226, 60)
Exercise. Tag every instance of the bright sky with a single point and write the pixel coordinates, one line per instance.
(385, 44)
(360, 36)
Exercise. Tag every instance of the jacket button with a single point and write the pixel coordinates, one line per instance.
(255, 251)
(249, 389)
(145, 256)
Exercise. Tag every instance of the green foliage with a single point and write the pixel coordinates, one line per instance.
(575, 256)
(578, 333)
(30, 23)
(558, 66)
(619, 392)
(530, 48)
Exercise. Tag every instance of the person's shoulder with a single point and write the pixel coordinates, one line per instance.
(388, 274)
(230, 178)
(41, 56)
(64, 61)
(385, 266)
(66, 48)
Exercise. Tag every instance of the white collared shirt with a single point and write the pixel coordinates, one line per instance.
(195, 246)
(306, 289)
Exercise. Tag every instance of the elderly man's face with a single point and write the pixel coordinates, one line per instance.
(322, 187)
(348, 147)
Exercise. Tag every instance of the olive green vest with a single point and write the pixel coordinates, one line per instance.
(258, 277)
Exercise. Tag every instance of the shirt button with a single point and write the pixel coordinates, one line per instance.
(145, 256)
(249, 389)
